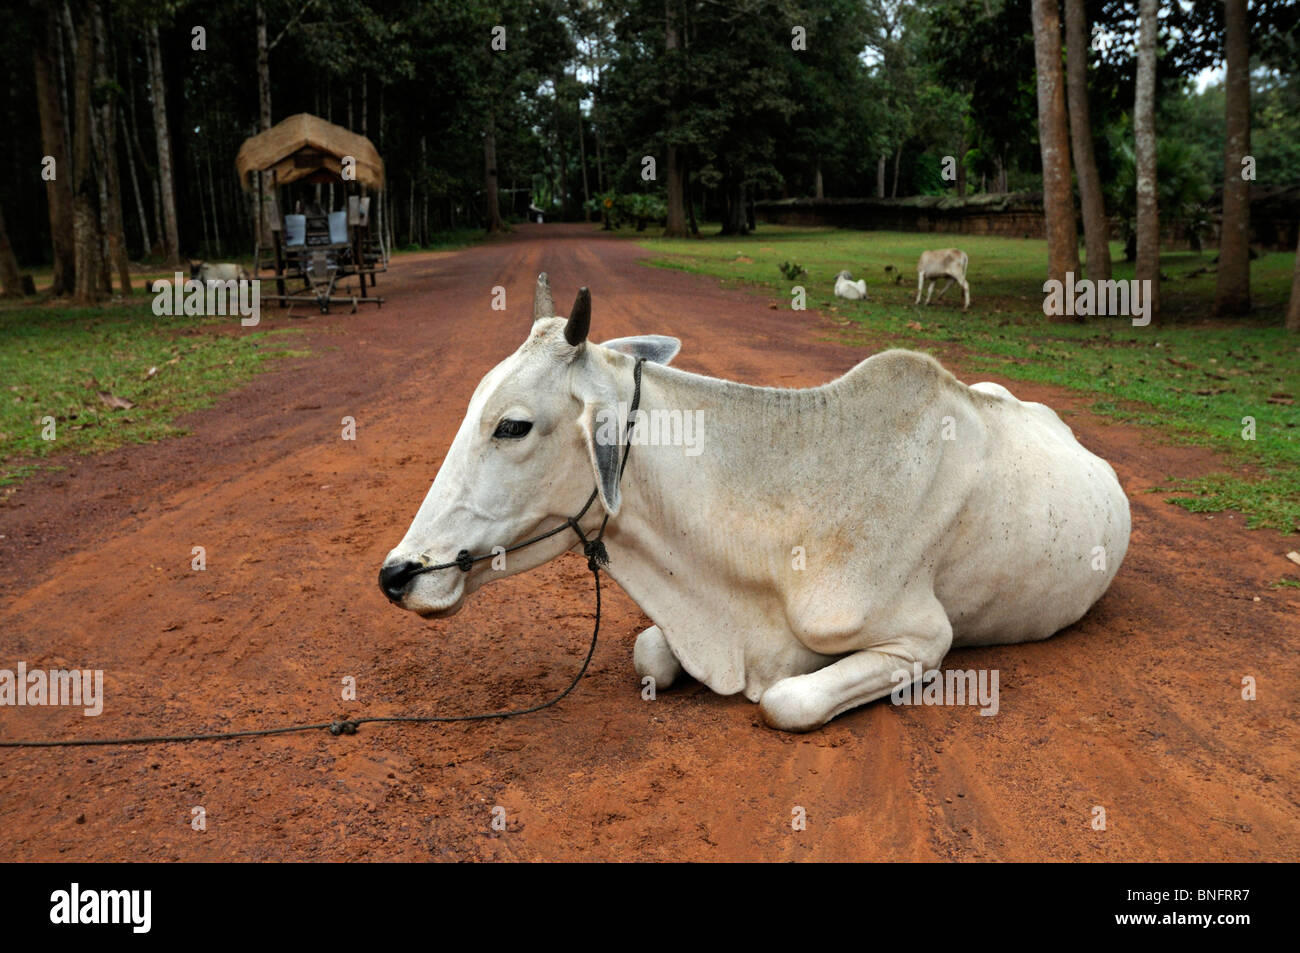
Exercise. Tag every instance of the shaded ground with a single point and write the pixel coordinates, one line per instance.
(1136, 709)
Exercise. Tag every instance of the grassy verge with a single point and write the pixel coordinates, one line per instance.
(449, 240)
(1194, 380)
(56, 361)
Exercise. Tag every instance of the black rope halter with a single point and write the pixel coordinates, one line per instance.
(597, 558)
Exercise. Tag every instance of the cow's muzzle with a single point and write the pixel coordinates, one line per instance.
(395, 578)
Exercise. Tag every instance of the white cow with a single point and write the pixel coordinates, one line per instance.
(947, 263)
(206, 271)
(846, 287)
(819, 543)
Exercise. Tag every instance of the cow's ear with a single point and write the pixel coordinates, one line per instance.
(655, 348)
(600, 427)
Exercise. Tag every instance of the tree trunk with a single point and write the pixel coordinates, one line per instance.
(819, 187)
(491, 190)
(166, 184)
(113, 225)
(10, 281)
(1232, 293)
(1293, 311)
(1054, 143)
(690, 203)
(880, 176)
(85, 214)
(675, 227)
(1096, 228)
(562, 183)
(962, 148)
(898, 155)
(270, 216)
(424, 194)
(212, 199)
(1144, 135)
(736, 218)
(140, 156)
(58, 191)
(98, 152)
(135, 187)
(582, 158)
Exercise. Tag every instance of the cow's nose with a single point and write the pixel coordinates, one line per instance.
(395, 577)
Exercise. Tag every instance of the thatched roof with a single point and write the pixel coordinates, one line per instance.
(307, 147)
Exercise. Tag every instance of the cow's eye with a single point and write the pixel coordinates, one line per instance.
(512, 428)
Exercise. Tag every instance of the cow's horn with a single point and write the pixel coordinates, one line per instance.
(575, 332)
(543, 306)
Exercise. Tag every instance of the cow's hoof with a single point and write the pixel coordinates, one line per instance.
(651, 656)
(791, 706)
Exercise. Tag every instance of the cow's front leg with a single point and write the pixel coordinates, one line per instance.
(652, 656)
(805, 702)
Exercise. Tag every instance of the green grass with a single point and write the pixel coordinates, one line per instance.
(449, 240)
(1192, 379)
(54, 361)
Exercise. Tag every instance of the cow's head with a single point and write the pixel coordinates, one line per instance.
(525, 459)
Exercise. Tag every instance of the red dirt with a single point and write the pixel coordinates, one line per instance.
(1136, 709)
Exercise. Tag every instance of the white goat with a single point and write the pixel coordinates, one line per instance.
(846, 287)
(947, 263)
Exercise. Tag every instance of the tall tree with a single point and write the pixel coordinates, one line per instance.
(675, 226)
(1096, 227)
(1054, 143)
(1232, 291)
(106, 93)
(491, 181)
(166, 181)
(85, 190)
(10, 282)
(58, 190)
(1144, 142)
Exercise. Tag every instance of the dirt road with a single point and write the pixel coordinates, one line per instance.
(1136, 710)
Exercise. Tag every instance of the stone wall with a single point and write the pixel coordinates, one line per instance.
(1274, 214)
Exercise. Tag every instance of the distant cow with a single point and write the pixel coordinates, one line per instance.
(846, 287)
(206, 271)
(947, 263)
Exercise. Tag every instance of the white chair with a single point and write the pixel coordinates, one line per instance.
(339, 227)
(295, 231)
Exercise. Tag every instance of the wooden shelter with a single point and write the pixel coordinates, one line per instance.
(305, 149)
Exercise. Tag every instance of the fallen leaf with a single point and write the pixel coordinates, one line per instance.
(1294, 557)
(151, 372)
(115, 402)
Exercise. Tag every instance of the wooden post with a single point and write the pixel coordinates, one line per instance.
(279, 264)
